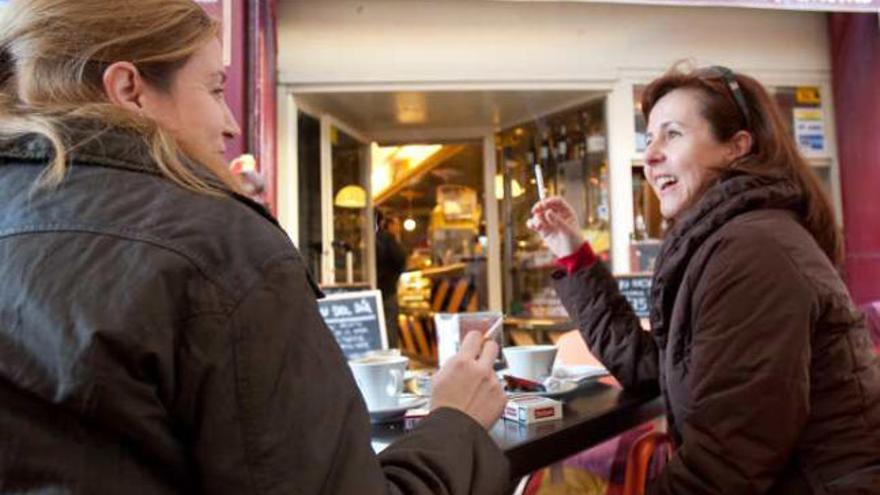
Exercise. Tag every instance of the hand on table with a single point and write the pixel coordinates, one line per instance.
(467, 382)
(555, 221)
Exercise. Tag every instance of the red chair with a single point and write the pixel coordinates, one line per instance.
(607, 467)
(639, 460)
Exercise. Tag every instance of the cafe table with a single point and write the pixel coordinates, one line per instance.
(591, 414)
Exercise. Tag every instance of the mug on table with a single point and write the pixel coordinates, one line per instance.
(380, 379)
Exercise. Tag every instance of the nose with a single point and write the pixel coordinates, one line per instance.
(230, 125)
(653, 153)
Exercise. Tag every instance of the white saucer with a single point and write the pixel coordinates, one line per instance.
(562, 389)
(405, 402)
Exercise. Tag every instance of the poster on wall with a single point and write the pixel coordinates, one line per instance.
(809, 130)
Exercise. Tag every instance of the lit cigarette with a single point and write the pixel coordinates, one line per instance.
(539, 179)
(490, 334)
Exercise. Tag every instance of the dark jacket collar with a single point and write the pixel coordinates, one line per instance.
(97, 145)
(727, 199)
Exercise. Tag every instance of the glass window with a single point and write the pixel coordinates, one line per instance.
(435, 193)
(801, 109)
(309, 145)
(648, 224)
(350, 221)
(641, 124)
(571, 149)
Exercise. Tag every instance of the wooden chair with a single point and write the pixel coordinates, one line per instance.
(473, 304)
(521, 337)
(421, 338)
(439, 296)
(458, 295)
(638, 461)
(406, 334)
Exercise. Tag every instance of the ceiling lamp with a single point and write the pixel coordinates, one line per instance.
(351, 196)
(516, 190)
(409, 224)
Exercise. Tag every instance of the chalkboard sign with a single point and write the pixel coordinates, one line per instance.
(637, 290)
(357, 321)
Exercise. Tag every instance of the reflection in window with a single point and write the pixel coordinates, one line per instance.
(309, 185)
(350, 221)
(571, 149)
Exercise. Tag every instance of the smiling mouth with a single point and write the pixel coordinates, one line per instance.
(664, 182)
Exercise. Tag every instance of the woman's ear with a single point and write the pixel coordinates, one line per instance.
(740, 144)
(124, 86)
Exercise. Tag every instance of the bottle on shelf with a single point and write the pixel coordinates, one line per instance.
(530, 157)
(641, 229)
(562, 145)
(603, 211)
(586, 122)
(578, 151)
(545, 149)
(596, 140)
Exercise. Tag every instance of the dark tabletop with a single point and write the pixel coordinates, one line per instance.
(591, 414)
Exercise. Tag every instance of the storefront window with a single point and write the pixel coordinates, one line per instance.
(570, 147)
(431, 196)
(435, 195)
(801, 108)
(641, 124)
(350, 221)
(309, 186)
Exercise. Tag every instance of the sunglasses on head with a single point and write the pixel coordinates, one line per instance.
(730, 81)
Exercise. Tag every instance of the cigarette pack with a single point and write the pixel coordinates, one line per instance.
(532, 409)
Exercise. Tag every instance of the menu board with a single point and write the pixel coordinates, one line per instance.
(356, 320)
(637, 290)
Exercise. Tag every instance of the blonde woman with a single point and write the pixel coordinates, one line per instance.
(158, 331)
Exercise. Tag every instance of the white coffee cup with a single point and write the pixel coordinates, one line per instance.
(380, 379)
(532, 362)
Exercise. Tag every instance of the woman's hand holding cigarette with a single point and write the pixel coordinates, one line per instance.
(467, 382)
(557, 224)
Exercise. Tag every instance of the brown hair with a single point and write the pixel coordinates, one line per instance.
(53, 54)
(774, 153)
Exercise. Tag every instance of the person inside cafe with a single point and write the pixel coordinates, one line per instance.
(769, 378)
(390, 263)
(159, 332)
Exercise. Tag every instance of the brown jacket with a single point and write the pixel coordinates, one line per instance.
(157, 341)
(770, 380)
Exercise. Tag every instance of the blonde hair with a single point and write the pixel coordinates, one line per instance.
(53, 54)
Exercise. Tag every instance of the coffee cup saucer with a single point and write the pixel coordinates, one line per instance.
(558, 390)
(405, 402)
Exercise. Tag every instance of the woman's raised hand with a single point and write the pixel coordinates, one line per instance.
(555, 221)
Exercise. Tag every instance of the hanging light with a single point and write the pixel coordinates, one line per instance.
(409, 225)
(351, 196)
(516, 190)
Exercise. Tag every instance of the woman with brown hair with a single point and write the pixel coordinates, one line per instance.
(158, 330)
(769, 378)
